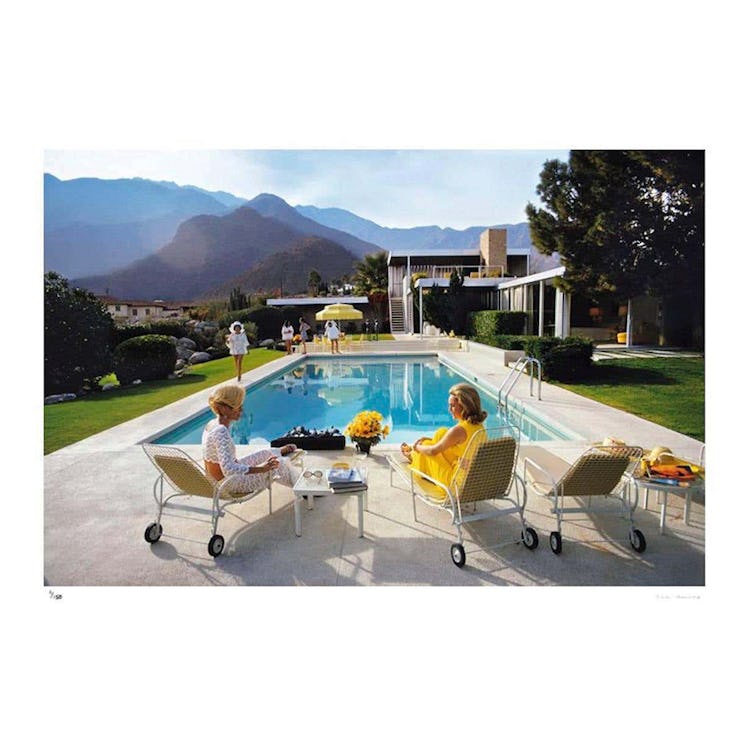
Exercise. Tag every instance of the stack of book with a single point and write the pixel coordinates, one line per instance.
(342, 480)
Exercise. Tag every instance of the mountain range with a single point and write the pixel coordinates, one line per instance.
(210, 255)
(419, 237)
(138, 238)
(96, 225)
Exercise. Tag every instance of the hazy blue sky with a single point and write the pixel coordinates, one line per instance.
(402, 188)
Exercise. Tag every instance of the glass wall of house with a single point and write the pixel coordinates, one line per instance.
(548, 308)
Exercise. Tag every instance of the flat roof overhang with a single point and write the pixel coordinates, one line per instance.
(445, 256)
(500, 283)
(317, 300)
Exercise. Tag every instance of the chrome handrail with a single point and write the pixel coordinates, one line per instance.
(511, 379)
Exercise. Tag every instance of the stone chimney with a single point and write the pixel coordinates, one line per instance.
(493, 247)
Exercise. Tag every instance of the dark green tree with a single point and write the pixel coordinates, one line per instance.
(627, 223)
(78, 336)
(238, 300)
(435, 307)
(447, 307)
(314, 283)
(371, 279)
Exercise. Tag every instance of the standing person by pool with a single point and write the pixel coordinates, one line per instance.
(304, 328)
(333, 333)
(287, 336)
(440, 455)
(219, 450)
(238, 344)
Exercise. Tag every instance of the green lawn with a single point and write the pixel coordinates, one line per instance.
(72, 421)
(667, 391)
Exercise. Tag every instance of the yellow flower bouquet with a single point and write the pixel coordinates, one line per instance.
(366, 429)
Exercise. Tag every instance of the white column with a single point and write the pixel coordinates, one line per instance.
(566, 320)
(420, 308)
(408, 310)
(541, 308)
(628, 324)
(558, 320)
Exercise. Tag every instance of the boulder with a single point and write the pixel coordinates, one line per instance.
(62, 398)
(186, 343)
(267, 343)
(181, 363)
(199, 358)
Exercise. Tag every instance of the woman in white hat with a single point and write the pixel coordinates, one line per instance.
(238, 344)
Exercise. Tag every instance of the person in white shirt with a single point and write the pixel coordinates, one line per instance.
(238, 344)
(333, 333)
(287, 336)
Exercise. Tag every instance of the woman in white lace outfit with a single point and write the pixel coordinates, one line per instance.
(219, 450)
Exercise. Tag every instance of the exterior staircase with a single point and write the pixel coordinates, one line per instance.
(397, 315)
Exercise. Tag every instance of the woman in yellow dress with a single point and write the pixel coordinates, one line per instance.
(439, 456)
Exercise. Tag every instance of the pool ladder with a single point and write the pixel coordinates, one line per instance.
(511, 379)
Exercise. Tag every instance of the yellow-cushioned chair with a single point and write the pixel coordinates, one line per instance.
(486, 473)
(601, 472)
(187, 478)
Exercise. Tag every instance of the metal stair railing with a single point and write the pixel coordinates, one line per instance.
(511, 379)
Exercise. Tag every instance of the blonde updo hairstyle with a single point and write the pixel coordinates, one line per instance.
(469, 400)
(229, 395)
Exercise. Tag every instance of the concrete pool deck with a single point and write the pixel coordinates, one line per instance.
(98, 501)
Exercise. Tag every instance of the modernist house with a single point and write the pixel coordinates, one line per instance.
(499, 276)
(313, 304)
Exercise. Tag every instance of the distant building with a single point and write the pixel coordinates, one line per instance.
(133, 312)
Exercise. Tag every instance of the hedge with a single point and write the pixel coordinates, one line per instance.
(162, 327)
(486, 326)
(146, 358)
(562, 359)
(269, 319)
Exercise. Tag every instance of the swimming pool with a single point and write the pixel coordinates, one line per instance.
(319, 393)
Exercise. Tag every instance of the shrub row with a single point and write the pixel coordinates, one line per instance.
(486, 326)
(562, 359)
(146, 357)
(157, 327)
(269, 319)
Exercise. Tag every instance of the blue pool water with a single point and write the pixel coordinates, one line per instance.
(410, 392)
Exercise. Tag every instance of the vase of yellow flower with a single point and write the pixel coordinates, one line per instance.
(366, 429)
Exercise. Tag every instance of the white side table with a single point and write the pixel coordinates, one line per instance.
(687, 492)
(310, 489)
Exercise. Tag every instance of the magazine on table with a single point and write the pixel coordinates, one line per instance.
(345, 479)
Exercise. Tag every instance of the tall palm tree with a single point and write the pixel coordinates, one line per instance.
(370, 280)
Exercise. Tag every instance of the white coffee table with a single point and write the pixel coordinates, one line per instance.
(310, 489)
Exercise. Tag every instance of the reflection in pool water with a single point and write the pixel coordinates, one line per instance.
(411, 394)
